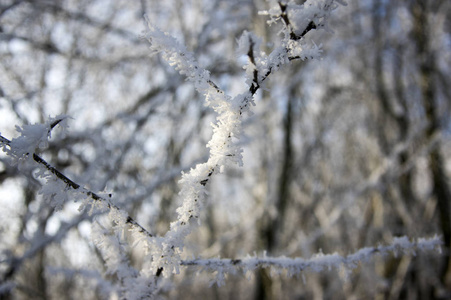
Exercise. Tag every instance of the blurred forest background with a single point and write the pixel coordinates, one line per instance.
(341, 153)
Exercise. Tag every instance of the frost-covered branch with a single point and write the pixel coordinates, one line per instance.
(165, 252)
(131, 284)
(318, 262)
(24, 147)
(298, 20)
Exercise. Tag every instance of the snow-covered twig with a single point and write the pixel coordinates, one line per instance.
(36, 136)
(319, 262)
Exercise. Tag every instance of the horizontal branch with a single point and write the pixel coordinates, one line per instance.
(319, 262)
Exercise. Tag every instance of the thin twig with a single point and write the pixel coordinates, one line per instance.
(75, 186)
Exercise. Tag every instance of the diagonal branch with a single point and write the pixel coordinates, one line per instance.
(75, 186)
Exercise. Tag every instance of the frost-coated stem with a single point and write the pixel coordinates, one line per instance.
(318, 262)
(127, 219)
(165, 252)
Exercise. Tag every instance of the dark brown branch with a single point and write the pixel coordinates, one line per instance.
(293, 36)
(255, 86)
(286, 20)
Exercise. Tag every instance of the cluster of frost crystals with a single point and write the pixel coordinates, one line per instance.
(316, 11)
(177, 56)
(301, 15)
(113, 251)
(33, 137)
(165, 252)
(300, 50)
(130, 283)
(22, 148)
(55, 192)
(228, 122)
